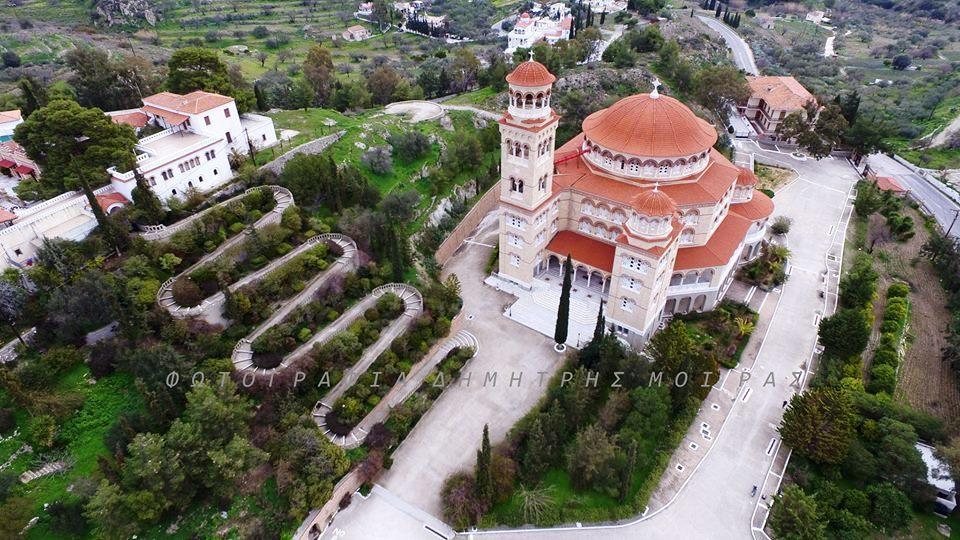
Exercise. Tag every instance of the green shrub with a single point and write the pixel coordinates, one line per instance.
(237, 227)
(186, 293)
(886, 356)
(883, 378)
(898, 290)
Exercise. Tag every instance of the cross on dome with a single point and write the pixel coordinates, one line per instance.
(531, 56)
(656, 84)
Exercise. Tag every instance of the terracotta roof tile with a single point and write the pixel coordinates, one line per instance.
(582, 248)
(718, 250)
(654, 203)
(759, 207)
(195, 102)
(171, 117)
(746, 177)
(6, 215)
(781, 93)
(887, 183)
(531, 73)
(136, 119)
(650, 126)
(107, 200)
(10, 116)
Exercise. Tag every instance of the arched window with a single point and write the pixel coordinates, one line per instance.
(676, 279)
(526, 151)
(516, 149)
(540, 100)
(513, 184)
(543, 182)
(663, 168)
(528, 101)
(520, 186)
(686, 237)
(706, 276)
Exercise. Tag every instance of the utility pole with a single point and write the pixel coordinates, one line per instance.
(955, 214)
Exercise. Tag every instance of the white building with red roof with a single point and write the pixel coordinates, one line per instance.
(549, 27)
(654, 218)
(199, 132)
(772, 99)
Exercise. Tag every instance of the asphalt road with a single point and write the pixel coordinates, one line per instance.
(742, 55)
(935, 201)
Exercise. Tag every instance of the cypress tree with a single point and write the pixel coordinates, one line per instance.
(600, 330)
(603, 16)
(563, 310)
(261, 99)
(719, 10)
(484, 480)
(726, 14)
(145, 200)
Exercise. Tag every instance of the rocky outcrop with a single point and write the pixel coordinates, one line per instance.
(111, 12)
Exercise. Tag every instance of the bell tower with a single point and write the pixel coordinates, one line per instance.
(527, 135)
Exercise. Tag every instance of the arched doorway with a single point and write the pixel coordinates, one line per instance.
(684, 306)
(699, 302)
(670, 306)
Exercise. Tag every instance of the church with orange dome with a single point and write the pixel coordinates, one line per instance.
(655, 220)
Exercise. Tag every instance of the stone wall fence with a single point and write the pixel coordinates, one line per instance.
(487, 203)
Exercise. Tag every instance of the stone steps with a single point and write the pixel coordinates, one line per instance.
(49, 468)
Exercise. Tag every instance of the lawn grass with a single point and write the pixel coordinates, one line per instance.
(83, 435)
(372, 128)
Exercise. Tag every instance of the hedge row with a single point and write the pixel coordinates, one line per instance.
(886, 358)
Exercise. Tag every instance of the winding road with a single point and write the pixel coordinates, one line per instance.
(742, 55)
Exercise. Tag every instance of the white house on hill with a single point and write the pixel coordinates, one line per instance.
(201, 129)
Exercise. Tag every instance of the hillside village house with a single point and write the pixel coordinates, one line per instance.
(771, 100)
(355, 33)
(200, 130)
(655, 220)
(550, 27)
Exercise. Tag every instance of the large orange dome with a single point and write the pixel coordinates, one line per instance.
(654, 203)
(531, 73)
(650, 125)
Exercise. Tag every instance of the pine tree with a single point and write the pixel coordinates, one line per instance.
(484, 479)
(563, 310)
(145, 200)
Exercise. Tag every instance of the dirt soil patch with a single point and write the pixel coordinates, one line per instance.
(926, 382)
(774, 178)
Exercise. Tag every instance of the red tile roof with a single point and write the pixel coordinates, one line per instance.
(889, 184)
(6, 163)
(654, 203)
(759, 207)
(23, 169)
(107, 200)
(195, 102)
(10, 116)
(136, 119)
(746, 177)
(781, 93)
(171, 117)
(706, 187)
(589, 251)
(719, 249)
(6, 215)
(531, 73)
(650, 125)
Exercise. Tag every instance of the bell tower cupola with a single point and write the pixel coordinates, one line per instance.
(527, 134)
